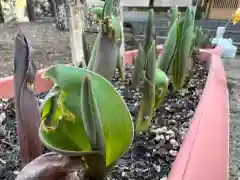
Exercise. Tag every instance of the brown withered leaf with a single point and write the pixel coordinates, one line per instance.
(52, 166)
(26, 104)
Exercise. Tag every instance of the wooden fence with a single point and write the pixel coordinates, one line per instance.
(222, 9)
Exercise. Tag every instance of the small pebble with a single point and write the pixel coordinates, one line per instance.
(173, 153)
(164, 178)
(167, 137)
(174, 143)
(157, 138)
(157, 168)
(15, 172)
(170, 133)
(123, 174)
(1, 106)
(172, 122)
(2, 117)
(160, 130)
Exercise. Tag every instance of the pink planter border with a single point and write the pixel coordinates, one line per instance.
(205, 151)
(204, 154)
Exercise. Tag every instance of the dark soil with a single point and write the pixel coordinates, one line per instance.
(151, 154)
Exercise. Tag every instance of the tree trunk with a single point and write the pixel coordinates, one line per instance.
(122, 49)
(1, 14)
(76, 27)
(31, 10)
(8, 10)
(61, 12)
(118, 11)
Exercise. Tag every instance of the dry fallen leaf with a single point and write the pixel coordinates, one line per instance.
(52, 166)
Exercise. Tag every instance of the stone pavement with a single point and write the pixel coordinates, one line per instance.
(232, 67)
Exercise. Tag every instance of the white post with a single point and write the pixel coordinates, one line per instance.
(20, 9)
(76, 27)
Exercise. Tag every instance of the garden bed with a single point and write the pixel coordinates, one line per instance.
(152, 154)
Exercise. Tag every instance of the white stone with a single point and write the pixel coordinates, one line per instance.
(173, 153)
(174, 143)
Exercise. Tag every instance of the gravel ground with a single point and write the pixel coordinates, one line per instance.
(51, 46)
(232, 67)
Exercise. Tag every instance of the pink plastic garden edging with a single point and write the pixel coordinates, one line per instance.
(205, 150)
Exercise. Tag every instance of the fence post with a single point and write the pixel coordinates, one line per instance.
(76, 27)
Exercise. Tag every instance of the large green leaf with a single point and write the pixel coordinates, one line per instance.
(70, 133)
(170, 46)
(184, 59)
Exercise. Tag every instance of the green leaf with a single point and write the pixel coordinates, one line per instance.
(170, 46)
(149, 32)
(70, 136)
(138, 70)
(147, 106)
(183, 60)
(114, 21)
(50, 110)
(91, 117)
(98, 11)
(174, 14)
(116, 26)
(108, 8)
(161, 83)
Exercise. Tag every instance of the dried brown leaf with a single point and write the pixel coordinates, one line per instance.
(52, 166)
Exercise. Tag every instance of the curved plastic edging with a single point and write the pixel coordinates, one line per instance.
(204, 152)
(7, 87)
